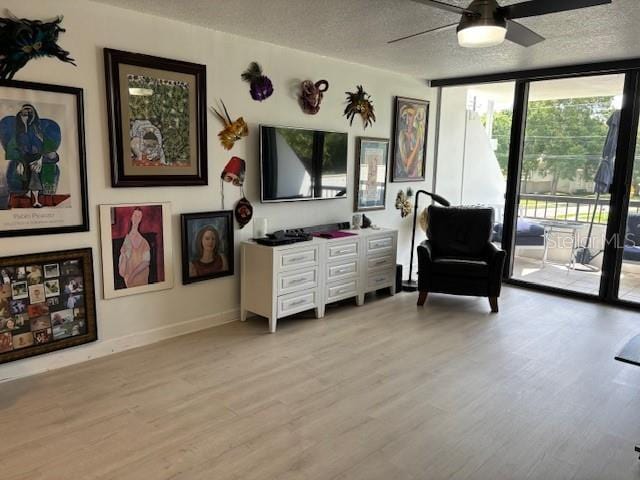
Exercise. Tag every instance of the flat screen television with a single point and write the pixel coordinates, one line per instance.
(302, 164)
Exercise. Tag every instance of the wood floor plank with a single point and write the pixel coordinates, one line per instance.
(382, 391)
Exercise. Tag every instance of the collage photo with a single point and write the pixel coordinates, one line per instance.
(40, 304)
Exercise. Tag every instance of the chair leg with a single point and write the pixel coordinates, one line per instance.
(422, 298)
(493, 301)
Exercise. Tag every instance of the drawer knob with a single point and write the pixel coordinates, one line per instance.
(298, 302)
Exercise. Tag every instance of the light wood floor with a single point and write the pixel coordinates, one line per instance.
(385, 391)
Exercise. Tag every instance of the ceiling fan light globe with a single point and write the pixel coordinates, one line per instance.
(480, 36)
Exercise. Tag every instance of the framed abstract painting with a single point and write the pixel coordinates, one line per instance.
(43, 181)
(410, 139)
(207, 245)
(371, 174)
(157, 120)
(136, 248)
(47, 303)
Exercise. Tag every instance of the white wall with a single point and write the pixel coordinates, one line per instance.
(134, 320)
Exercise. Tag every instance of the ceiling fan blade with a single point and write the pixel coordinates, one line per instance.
(533, 8)
(437, 29)
(442, 6)
(518, 33)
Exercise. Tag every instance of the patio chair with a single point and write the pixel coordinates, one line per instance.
(459, 258)
(631, 251)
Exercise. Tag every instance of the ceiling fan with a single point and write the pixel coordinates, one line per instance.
(485, 23)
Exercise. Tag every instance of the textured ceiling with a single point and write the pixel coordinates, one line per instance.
(357, 31)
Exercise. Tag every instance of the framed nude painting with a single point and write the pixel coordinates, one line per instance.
(136, 248)
(43, 182)
(47, 303)
(157, 120)
(371, 174)
(410, 140)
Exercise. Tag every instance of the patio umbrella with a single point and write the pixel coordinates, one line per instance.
(602, 181)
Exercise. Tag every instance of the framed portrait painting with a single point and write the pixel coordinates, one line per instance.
(157, 120)
(409, 139)
(371, 174)
(47, 303)
(136, 248)
(207, 245)
(43, 181)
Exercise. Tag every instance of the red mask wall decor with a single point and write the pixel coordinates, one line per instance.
(234, 171)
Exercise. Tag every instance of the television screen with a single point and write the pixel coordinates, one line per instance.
(300, 164)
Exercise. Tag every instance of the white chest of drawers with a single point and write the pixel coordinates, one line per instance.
(281, 281)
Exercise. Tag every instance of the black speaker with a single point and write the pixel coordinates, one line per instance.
(398, 277)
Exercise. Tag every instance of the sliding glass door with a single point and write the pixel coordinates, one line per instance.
(566, 169)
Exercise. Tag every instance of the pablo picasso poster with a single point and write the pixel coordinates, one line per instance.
(42, 160)
(157, 119)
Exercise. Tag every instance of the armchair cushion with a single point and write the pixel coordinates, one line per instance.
(460, 267)
(459, 231)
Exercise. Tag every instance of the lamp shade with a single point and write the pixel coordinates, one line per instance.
(479, 36)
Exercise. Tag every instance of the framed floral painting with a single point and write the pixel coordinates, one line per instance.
(136, 248)
(43, 181)
(47, 303)
(410, 140)
(157, 120)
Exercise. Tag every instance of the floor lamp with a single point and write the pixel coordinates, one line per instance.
(410, 285)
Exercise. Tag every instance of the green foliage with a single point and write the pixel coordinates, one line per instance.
(335, 149)
(561, 137)
(167, 109)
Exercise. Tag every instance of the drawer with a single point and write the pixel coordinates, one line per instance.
(343, 289)
(296, 302)
(300, 257)
(379, 280)
(343, 250)
(297, 280)
(380, 244)
(383, 261)
(342, 270)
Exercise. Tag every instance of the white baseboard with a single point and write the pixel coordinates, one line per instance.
(102, 348)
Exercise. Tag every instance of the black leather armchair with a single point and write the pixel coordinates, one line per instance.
(459, 257)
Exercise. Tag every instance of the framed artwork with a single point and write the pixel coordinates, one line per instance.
(157, 120)
(136, 248)
(43, 180)
(207, 245)
(409, 139)
(371, 174)
(47, 303)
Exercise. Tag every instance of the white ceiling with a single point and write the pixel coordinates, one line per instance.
(357, 31)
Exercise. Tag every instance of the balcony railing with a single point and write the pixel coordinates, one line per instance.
(568, 208)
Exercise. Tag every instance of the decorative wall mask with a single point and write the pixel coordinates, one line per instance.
(243, 212)
(233, 130)
(261, 86)
(359, 102)
(233, 173)
(311, 95)
(22, 40)
(403, 202)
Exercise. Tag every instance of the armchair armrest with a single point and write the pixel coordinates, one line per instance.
(425, 252)
(496, 258)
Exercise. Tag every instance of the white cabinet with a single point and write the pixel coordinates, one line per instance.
(280, 281)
